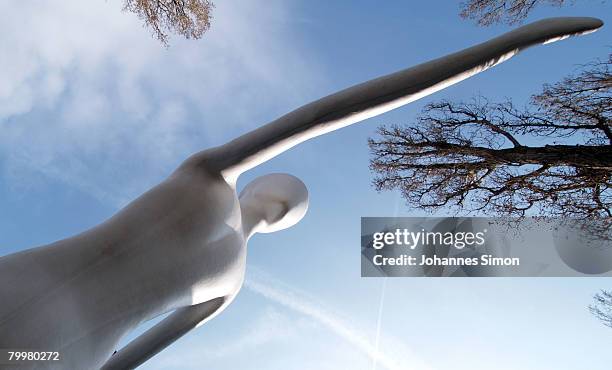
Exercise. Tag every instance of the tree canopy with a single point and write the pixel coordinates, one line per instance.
(602, 307)
(553, 157)
(188, 18)
(487, 12)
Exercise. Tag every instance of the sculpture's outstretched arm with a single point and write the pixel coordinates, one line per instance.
(382, 94)
(154, 340)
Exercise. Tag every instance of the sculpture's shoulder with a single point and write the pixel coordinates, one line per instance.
(208, 161)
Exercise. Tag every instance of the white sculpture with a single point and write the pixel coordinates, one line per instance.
(181, 246)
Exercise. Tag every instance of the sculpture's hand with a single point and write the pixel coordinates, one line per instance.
(382, 94)
(151, 342)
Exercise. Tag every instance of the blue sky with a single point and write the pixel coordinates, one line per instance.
(93, 112)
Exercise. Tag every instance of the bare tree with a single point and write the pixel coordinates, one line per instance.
(602, 308)
(189, 18)
(488, 157)
(487, 12)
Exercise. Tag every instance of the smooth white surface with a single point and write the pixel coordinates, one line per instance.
(183, 243)
(272, 203)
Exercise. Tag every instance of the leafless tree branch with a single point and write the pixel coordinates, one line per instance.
(475, 156)
(487, 12)
(188, 18)
(602, 307)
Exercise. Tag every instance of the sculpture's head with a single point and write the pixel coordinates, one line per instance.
(273, 202)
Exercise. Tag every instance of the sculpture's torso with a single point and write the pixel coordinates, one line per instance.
(179, 244)
(182, 242)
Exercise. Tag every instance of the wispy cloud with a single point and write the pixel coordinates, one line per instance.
(269, 326)
(88, 97)
(392, 357)
(264, 331)
(290, 331)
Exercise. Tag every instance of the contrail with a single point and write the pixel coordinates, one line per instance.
(299, 302)
(382, 298)
(379, 322)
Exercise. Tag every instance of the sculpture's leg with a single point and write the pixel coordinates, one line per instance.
(163, 334)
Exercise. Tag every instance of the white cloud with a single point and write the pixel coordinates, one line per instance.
(264, 330)
(392, 355)
(88, 97)
(290, 331)
(271, 325)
